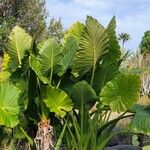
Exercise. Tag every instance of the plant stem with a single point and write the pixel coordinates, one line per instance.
(93, 73)
(57, 147)
(58, 84)
(81, 115)
(51, 68)
(72, 136)
(51, 75)
(43, 108)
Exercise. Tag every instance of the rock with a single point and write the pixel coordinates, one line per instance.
(123, 147)
(120, 139)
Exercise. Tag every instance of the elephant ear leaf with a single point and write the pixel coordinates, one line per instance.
(36, 66)
(75, 31)
(9, 107)
(103, 74)
(83, 94)
(114, 52)
(69, 51)
(57, 101)
(108, 69)
(50, 55)
(141, 121)
(18, 43)
(121, 93)
(92, 46)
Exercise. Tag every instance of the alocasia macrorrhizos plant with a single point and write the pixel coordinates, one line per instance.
(52, 86)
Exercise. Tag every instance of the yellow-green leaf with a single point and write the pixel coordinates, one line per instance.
(9, 107)
(121, 93)
(57, 101)
(18, 43)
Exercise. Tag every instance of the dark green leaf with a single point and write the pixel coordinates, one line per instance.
(50, 56)
(141, 121)
(83, 93)
(69, 51)
(36, 66)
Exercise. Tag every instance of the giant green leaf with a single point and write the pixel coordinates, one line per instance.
(83, 94)
(108, 69)
(69, 51)
(9, 107)
(141, 121)
(76, 31)
(57, 101)
(103, 74)
(50, 55)
(114, 52)
(5, 62)
(36, 66)
(121, 93)
(19, 42)
(93, 45)
(4, 75)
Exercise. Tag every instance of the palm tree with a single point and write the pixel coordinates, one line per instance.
(124, 37)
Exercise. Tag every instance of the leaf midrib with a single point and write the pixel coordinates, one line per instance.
(17, 49)
(94, 59)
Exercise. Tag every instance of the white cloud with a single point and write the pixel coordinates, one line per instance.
(78, 9)
(132, 15)
(101, 4)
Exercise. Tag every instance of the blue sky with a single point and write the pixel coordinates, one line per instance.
(133, 16)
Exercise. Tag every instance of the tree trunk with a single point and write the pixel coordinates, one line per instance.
(44, 139)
